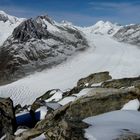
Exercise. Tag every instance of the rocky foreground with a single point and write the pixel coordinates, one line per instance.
(63, 120)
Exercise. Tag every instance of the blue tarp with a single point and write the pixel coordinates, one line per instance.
(28, 119)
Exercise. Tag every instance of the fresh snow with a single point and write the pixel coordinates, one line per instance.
(51, 27)
(111, 125)
(56, 97)
(104, 54)
(102, 28)
(67, 100)
(132, 105)
(6, 28)
(74, 97)
(19, 131)
(83, 92)
(43, 111)
(41, 137)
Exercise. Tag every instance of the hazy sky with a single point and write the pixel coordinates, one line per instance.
(80, 12)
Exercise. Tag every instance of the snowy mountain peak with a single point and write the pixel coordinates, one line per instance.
(99, 23)
(2, 13)
(7, 25)
(44, 18)
(8, 18)
(105, 25)
(103, 28)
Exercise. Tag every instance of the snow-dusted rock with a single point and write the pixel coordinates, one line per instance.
(129, 34)
(7, 25)
(37, 44)
(102, 28)
(8, 18)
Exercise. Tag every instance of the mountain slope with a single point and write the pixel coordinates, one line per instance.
(129, 34)
(37, 44)
(104, 54)
(7, 25)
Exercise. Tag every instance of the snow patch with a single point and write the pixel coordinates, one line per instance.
(67, 100)
(111, 125)
(56, 97)
(43, 111)
(132, 105)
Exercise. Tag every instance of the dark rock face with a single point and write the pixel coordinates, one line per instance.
(129, 34)
(7, 117)
(37, 44)
(3, 18)
(29, 29)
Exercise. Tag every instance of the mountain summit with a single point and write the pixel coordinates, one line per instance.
(38, 43)
(101, 27)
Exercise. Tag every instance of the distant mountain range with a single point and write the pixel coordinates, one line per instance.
(29, 45)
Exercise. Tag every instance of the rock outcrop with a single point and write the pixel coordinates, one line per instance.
(121, 83)
(94, 79)
(88, 82)
(66, 122)
(101, 100)
(7, 117)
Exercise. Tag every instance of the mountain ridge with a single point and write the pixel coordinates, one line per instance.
(38, 43)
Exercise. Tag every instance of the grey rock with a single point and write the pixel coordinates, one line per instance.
(94, 78)
(7, 117)
(129, 34)
(88, 81)
(121, 83)
(101, 100)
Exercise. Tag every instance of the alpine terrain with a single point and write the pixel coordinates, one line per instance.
(67, 82)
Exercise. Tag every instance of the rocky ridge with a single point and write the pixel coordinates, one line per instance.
(66, 121)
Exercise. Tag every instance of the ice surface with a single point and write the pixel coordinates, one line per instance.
(110, 125)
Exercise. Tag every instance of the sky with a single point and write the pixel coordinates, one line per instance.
(79, 12)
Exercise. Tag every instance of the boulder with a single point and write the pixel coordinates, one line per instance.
(88, 82)
(101, 100)
(94, 78)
